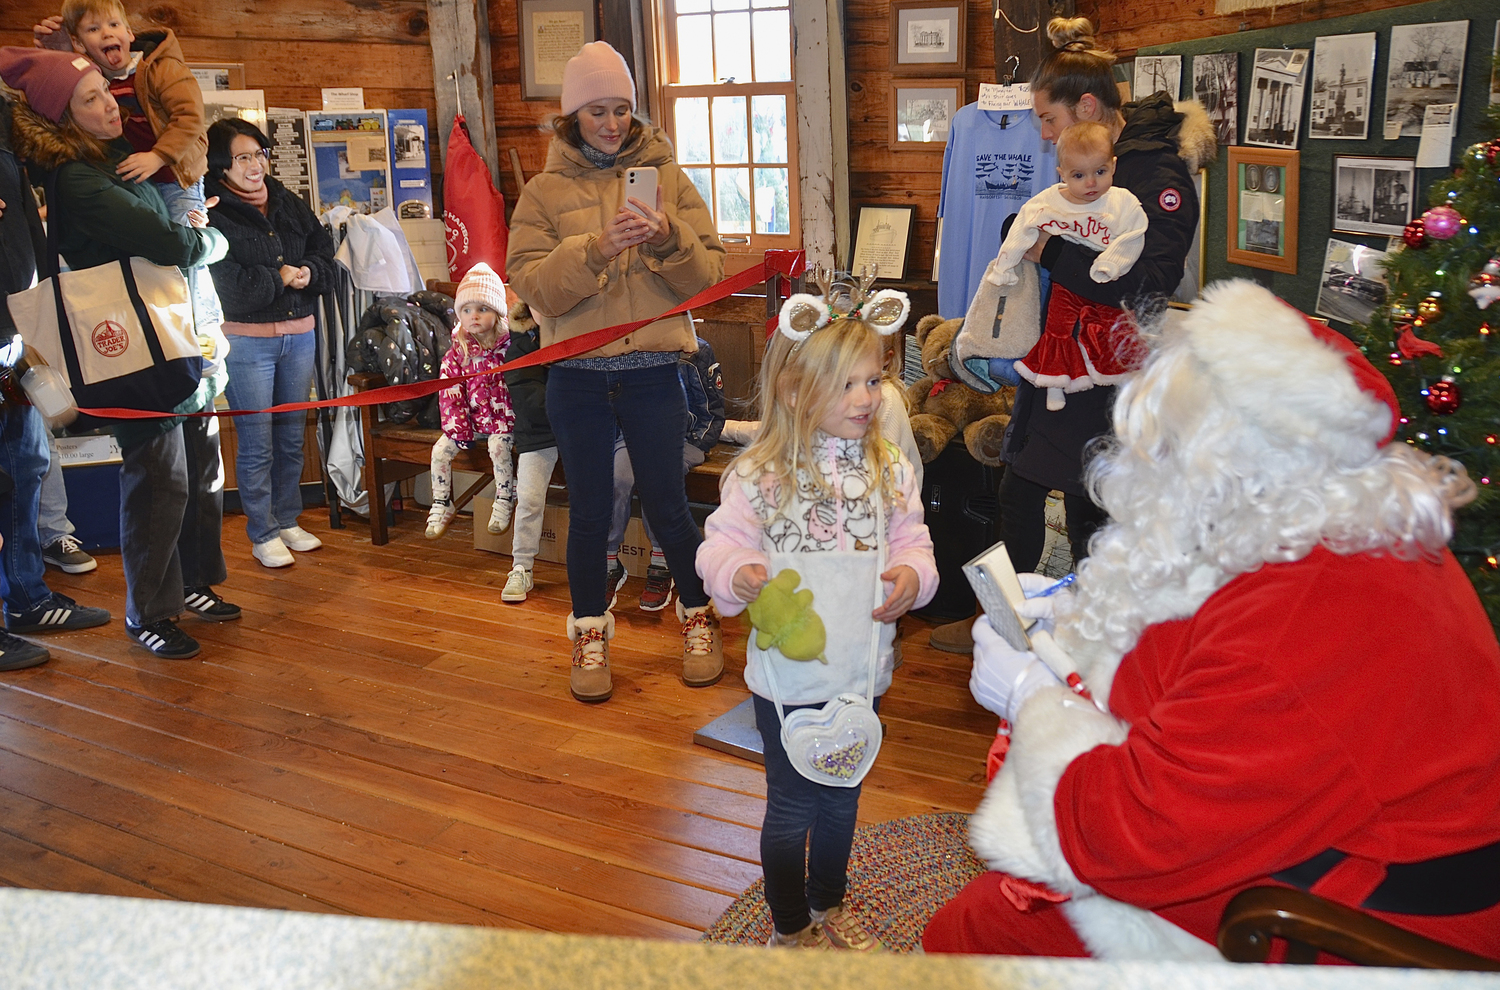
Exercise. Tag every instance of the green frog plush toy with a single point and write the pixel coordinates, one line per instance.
(784, 618)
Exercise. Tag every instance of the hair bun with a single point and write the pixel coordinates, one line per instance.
(1071, 33)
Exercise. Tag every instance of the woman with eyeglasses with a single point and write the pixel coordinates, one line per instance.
(280, 260)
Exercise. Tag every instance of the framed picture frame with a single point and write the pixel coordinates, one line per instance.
(1352, 285)
(1191, 286)
(921, 112)
(1373, 195)
(882, 240)
(928, 37)
(1216, 84)
(1425, 65)
(1158, 74)
(552, 31)
(1342, 83)
(1262, 202)
(1273, 105)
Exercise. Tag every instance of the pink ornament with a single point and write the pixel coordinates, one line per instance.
(1441, 222)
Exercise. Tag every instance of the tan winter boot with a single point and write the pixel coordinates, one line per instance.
(590, 680)
(702, 645)
(954, 637)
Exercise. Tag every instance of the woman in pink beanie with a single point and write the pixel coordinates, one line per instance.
(584, 259)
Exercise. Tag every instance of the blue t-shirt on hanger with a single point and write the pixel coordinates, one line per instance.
(993, 163)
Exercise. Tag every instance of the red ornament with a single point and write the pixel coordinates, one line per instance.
(1444, 397)
(1415, 235)
(1442, 222)
(1492, 152)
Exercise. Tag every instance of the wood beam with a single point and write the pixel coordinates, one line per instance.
(822, 129)
(1021, 31)
(460, 34)
(623, 26)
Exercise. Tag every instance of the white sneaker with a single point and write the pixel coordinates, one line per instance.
(439, 517)
(300, 539)
(500, 515)
(273, 553)
(516, 586)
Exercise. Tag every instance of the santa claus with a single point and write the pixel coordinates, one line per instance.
(1293, 680)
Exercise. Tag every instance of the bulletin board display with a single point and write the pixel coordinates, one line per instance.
(1317, 173)
(351, 159)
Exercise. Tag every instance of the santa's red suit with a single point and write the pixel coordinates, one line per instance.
(1337, 702)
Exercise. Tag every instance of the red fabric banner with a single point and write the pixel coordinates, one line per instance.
(473, 211)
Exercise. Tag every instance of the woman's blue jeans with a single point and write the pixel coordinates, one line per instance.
(264, 372)
(24, 456)
(587, 407)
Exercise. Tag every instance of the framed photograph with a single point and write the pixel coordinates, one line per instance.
(1352, 284)
(1273, 111)
(1191, 286)
(927, 37)
(1372, 195)
(218, 75)
(552, 31)
(1216, 84)
(1426, 66)
(882, 239)
(1343, 71)
(1495, 72)
(921, 112)
(246, 104)
(1263, 208)
(1158, 74)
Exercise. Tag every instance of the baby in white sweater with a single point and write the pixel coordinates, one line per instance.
(1085, 207)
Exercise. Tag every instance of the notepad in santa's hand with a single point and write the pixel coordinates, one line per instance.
(993, 578)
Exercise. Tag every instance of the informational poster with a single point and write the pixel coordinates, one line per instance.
(287, 130)
(350, 166)
(411, 164)
(556, 36)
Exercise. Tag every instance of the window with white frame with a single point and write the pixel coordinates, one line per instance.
(729, 106)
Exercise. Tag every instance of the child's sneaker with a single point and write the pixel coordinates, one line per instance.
(657, 594)
(517, 585)
(613, 582)
(811, 937)
(844, 930)
(500, 514)
(164, 639)
(589, 680)
(66, 554)
(440, 517)
(702, 645)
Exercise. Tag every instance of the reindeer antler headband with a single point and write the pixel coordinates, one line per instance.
(843, 298)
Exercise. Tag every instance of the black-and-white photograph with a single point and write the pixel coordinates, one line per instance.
(1158, 74)
(1352, 284)
(1426, 66)
(410, 141)
(1372, 195)
(1216, 84)
(1273, 111)
(1342, 76)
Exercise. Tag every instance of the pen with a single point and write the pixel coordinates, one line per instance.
(1055, 588)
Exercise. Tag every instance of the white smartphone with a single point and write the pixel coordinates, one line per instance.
(640, 183)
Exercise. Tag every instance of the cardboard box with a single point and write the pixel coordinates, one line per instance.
(635, 552)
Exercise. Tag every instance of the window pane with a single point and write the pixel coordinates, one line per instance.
(700, 178)
(763, 3)
(769, 123)
(773, 46)
(691, 116)
(695, 63)
(690, 6)
(731, 4)
(773, 202)
(729, 130)
(732, 47)
(733, 214)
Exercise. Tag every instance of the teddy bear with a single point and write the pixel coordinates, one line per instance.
(941, 406)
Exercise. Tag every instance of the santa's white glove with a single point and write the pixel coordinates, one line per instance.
(1040, 608)
(1003, 676)
(740, 431)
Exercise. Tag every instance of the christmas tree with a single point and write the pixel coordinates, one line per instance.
(1436, 343)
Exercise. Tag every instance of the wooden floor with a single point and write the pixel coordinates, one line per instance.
(381, 736)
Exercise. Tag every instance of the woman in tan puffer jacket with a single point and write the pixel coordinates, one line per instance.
(583, 259)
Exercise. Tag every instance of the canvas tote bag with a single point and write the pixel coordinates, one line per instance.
(122, 333)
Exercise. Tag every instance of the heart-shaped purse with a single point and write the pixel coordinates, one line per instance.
(836, 744)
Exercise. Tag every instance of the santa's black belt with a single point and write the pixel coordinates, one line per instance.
(1456, 884)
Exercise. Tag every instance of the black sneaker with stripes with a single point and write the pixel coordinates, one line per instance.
(205, 603)
(57, 613)
(164, 639)
(17, 653)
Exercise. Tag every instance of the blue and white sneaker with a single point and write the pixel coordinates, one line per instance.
(57, 613)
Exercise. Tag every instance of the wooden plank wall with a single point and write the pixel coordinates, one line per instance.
(1131, 24)
(290, 48)
(519, 124)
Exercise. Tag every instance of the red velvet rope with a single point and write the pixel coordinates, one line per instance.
(787, 263)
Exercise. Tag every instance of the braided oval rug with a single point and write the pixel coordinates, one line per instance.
(900, 873)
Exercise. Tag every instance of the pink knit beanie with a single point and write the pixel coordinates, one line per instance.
(597, 72)
(47, 77)
(481, 285)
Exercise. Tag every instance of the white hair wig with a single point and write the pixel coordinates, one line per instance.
(1243, 440)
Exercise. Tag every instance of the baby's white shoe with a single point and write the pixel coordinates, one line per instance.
(439, 517)
(500, 515)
